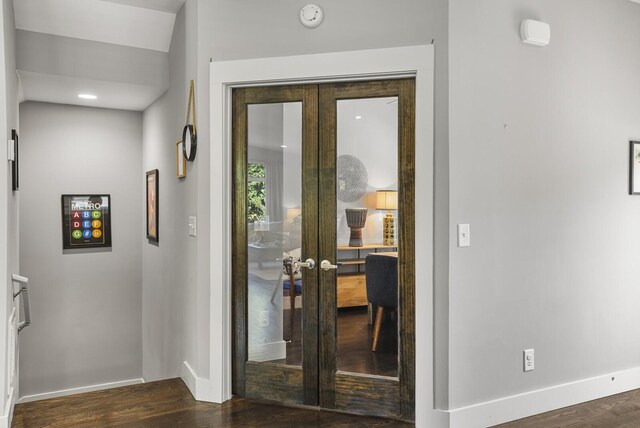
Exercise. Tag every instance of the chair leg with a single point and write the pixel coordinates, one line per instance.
(376, 328)
(292, 300)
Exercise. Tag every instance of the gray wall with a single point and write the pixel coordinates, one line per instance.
(86, 59)
(554, 233)
(256, 29)
(8, 219)
(169, 267)
(85, 304)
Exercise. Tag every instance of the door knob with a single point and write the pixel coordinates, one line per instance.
(326, 265)
(309, 264)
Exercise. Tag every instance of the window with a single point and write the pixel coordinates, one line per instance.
(256, 198)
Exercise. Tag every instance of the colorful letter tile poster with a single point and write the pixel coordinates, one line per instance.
(86, 221)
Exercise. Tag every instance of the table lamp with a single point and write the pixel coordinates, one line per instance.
(388, 200)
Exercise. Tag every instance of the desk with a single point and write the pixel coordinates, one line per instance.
(389, 254)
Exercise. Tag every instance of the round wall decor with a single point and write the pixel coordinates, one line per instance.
(189, 142)
(190, 132)
(352, 178)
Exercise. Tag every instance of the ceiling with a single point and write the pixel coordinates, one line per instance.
(171, 6)
(128, 31)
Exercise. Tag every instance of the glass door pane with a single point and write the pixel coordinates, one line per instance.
(274, 223)
(367, 242)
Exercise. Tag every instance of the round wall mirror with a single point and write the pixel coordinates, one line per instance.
(189, 143)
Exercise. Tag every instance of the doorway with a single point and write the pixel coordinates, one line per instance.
(323, 249)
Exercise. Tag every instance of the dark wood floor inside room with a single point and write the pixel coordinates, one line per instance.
(354, 333)
(355, 336)
(168, 403)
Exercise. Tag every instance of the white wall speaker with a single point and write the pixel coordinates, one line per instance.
(535, 33)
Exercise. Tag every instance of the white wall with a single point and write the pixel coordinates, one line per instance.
(85, 304)
(539, 168)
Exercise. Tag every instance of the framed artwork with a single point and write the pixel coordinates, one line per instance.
(152, 205)
(86, 221)
(181, 161)
(15, 185)
(634, 168)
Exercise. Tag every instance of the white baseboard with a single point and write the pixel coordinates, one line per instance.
(80, 390)
(5, 420)
(199, 386)
(544, 400)
(268, 351)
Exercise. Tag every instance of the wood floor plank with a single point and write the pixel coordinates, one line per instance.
(616, 411)
(169, 403)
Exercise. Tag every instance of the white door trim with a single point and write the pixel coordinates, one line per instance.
(415, 61)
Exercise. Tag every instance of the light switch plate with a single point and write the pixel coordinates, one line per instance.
(192, 226)
(11, 150)
(464, 237)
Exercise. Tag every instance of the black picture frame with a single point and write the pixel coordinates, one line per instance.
(152, 193)
(634, 167)
(86, 221)
(15, 164)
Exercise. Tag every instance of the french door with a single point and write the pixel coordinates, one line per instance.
(323, 245)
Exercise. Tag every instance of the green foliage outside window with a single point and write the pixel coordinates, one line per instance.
(257, 207)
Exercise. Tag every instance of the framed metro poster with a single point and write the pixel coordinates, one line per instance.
(86, 221)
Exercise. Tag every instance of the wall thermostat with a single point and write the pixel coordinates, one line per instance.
(311, 15)
(535, 33)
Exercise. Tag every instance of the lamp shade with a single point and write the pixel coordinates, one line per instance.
(386, 200)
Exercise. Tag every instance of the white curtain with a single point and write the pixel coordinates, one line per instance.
(273, 190)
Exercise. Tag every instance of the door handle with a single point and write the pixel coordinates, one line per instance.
(326, 265)
(22, 282)
(309, 264)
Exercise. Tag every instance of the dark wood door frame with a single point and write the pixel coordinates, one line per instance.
(343, 391)
(267, 380)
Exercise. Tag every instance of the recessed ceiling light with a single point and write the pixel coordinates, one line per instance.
(87, 96)
(358, 117)
(283, 146)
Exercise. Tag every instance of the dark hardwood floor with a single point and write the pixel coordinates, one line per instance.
(354, 343)
(616, 411)
(355, 337)
(168, 403)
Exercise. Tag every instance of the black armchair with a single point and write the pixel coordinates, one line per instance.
(382, 287)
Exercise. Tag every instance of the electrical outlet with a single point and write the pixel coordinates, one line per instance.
(528, 360)
(264, 319)
(11, 150)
